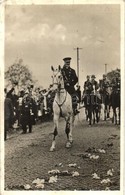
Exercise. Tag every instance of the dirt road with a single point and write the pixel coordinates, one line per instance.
(27, 157)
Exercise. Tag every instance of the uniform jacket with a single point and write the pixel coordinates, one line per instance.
(70, 78)
(28, 111)
(88, 86)
(95, 84)
(8, 109)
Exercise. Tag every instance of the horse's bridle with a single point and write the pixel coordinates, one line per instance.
(59, 90)
(57, 83)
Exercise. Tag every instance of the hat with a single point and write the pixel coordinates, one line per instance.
(93, 76)
(87, 76)
(104, 75)
(15, 82)
(67, 59)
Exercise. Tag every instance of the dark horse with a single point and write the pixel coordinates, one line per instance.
(115, 103)
(92, 104)
(105, 101)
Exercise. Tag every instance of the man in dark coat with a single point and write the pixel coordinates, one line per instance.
(70, 79)
(28, 112)
(8, 114)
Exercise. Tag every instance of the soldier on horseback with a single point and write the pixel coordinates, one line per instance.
(105, 95)
(70, 79)
(104, 84)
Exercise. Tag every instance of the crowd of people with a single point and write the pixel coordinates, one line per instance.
(25, 107)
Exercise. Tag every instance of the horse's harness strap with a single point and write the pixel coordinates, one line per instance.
(62, 102)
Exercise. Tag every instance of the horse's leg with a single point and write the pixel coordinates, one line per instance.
(105, 111)
(68, 130)
(93, 115)
(90, 116)
(55, 133)
(97, 115)
(115, 116)
(119, 115)
(108, 111)
(102, 111)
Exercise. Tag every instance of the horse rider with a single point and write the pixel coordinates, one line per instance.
(95, 87)
(116, 82)
(70, 79)
(104, 84)
(87, 86)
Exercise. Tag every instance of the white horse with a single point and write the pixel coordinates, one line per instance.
(62, 106)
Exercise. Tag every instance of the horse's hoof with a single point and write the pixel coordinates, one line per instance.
(71, 141)
(68, 145)
(52, 149)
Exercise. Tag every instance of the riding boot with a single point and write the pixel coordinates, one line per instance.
(74, 104)
(30, 128)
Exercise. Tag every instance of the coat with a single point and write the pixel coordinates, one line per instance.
(8, 109)
(70, 79)
(28, 111)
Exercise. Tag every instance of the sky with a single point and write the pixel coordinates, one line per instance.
(42, 35)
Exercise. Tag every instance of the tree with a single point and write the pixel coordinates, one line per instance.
(19, 73)
(113, 74)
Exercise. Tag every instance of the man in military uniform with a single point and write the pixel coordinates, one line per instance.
(116, 83)
(104, 84)
(70, 79)
(87, 85)
(95, 85)
(28, 112)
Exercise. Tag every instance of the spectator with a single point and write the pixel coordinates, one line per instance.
(8, 114)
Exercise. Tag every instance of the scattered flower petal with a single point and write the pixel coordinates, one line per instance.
(27, 187)
(105, 181)
(107, 188)
(53, 179)
(72, 165)
(75, 174)
(110, 172)
(38, 181)
(54, 171)
(95, 176)
(102, 151)
(40, 185)
(94, 157)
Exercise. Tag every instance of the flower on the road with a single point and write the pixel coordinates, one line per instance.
(110, 172)
(75, 174)
(72, 165)
(27, 187)
(105, 181)
(107, 188)
(55, 171)
(38, 181)
(102, 151)
(40, 186)
(95, 176)
(94, 157)
(59, 165)
(53, 179)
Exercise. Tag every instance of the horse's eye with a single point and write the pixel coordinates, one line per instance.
(59, 76)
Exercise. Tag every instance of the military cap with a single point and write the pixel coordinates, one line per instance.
(93, 76)
(67, 59)
(15, 82)
(104, 75)
(87, 76)
(31, 86)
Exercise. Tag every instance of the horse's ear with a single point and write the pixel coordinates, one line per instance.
(59, 67)
(52, 68)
